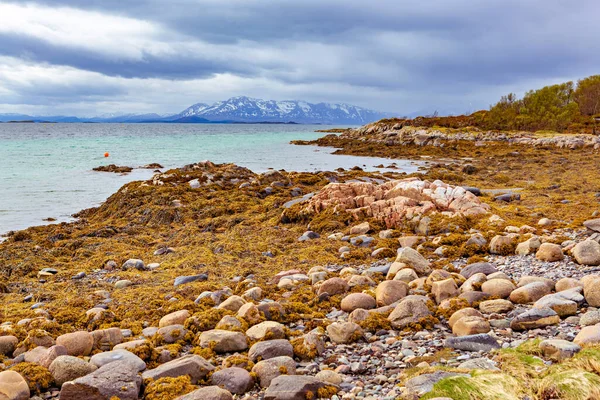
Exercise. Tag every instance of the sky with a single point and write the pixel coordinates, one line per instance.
(93, 57)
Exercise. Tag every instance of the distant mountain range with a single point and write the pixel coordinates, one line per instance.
(236, 110)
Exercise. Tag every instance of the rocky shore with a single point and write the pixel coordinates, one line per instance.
(213, 282)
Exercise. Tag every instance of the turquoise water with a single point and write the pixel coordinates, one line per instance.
(47, 168)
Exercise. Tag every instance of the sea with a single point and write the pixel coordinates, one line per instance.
(46, 169)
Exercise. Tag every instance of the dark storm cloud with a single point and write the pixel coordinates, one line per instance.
(455, 47)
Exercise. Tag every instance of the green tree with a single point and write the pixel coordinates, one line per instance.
(587, 97)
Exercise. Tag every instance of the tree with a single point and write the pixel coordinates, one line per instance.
(587, 97)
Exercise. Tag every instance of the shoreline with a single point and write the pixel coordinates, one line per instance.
(377, 281)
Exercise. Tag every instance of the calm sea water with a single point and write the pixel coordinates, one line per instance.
(47, 168)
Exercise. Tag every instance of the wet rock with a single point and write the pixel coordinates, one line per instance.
(191, 365)
(119, 380)
(69, 368)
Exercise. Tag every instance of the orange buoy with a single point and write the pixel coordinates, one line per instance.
(106, 154)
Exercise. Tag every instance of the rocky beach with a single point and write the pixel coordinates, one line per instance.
(477, 277)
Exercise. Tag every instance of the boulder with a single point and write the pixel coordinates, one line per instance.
(118, 379)
(590, 318)
(413, 260)
(296, 387)
(562, 306)
(266, 330)
(174, 318)
(591, 290)
(408, 311)
(224, 341)
(344, 332)
(207, 393)
(191, 365)
(529, 246)
(8, 344)
(558, 350)
(13, 386)
(549, 252)
(527, 279)
(389, 292)
(333, 286)
(478, 268)
(501, 244)
(270, 349)
(250, 313)
(106, 339)
(443, 290)
(497, 306)
(529, 293)
(236, 380)
(171, 333)
(267, 370)
(406, 275)
(78, 343)
(119, 355)
(588, 335)
(593, 224)
(464, 312)
(473, 283)
(357, 300)
(479, 342)
(501, 288)
(567, 283)
(534, 318)
(69, 368)
(233, 303)
(470, 325)
(360, 229)
(587, 252)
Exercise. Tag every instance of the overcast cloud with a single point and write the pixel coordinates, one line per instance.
(103, 56)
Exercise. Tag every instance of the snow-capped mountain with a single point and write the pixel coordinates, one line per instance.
(246, 109)
(236, 109)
